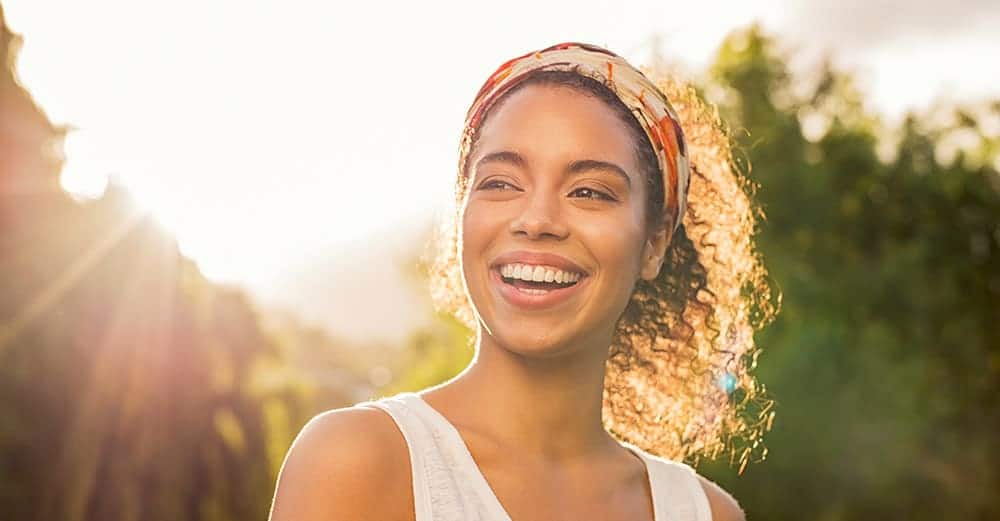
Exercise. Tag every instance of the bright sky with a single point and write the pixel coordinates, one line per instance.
(262, 133)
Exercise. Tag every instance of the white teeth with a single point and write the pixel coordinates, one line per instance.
(538, 273)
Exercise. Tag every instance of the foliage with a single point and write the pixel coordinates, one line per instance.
(885, 361)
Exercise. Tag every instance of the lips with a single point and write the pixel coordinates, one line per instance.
(534, 299)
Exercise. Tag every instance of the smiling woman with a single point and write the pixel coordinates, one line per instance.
(602, 249)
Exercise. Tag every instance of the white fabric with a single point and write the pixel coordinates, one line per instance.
(448, 486)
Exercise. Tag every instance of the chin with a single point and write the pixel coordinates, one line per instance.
(533, 341)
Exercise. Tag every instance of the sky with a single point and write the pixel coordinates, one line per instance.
(266, 135)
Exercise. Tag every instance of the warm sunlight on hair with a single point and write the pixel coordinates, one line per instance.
(691, 392)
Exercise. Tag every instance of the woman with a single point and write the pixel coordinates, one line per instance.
(606, 263)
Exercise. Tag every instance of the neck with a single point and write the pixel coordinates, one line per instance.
(548, 407)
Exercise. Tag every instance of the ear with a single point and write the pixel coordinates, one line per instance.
(654, 251)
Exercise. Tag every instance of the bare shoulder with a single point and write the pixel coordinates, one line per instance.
(343, 464)
(724, 506)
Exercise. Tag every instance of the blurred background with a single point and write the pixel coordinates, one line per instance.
(212, 216)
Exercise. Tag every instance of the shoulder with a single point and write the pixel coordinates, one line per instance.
(721, 504)
(342, 465)
(724, 507)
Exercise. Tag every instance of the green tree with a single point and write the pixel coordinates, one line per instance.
(883, 362)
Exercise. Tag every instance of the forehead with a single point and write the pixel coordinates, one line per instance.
(556, 122)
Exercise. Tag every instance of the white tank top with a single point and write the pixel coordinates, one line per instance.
(448, 486)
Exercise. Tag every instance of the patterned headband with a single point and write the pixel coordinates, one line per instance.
(637, 92)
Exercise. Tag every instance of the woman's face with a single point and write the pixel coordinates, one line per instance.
(554, 233)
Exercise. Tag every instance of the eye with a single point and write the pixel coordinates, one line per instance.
(592, 193)
(496, 184)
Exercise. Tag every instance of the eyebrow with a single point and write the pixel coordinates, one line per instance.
(576, 167)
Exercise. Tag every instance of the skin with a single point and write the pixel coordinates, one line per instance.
(540, 443)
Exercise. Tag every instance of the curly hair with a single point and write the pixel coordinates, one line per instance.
(678, 379)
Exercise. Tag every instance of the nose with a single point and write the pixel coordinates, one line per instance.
(539, 218)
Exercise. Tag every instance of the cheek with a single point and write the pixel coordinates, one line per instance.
(476, 231)
(623, 254)
(616, 244)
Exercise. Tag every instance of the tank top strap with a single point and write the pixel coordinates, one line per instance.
(678, 490)
(416, 442)
(442, 488)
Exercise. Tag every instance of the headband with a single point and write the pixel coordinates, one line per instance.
(650, 107)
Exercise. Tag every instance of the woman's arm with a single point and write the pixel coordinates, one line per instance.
(343, 465)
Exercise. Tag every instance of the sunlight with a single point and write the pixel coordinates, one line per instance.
(89, 169)
(255, 151)
(84, 175)
(47, 296)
